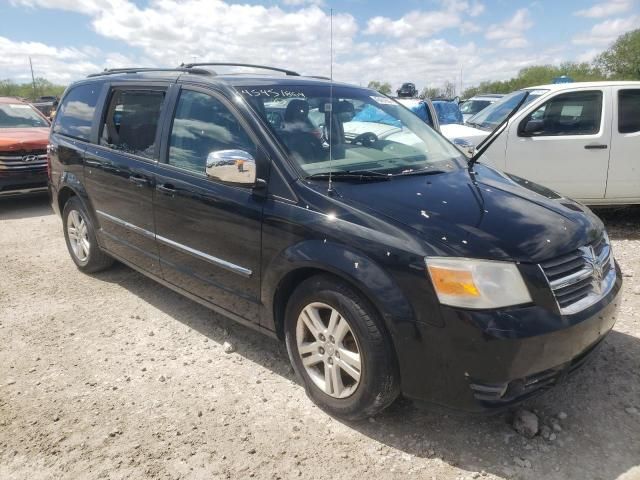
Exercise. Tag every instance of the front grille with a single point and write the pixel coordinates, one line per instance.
(16, 161)
(578, 279)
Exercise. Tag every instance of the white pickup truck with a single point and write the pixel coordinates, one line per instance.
(579, 139)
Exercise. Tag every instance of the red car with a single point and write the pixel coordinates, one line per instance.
(24, 135)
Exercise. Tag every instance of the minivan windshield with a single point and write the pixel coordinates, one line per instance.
(350, 130)
(20, 115)
(494, 114)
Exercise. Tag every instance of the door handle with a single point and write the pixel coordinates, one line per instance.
(139, 180)
(167, 189)
(595, 146)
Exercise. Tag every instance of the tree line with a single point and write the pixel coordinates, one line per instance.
(619, 62)
(43, 87)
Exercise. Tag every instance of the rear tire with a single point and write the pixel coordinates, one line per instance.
(80, 236)
(347, 363)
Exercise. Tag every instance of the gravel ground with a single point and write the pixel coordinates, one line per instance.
(115, 376)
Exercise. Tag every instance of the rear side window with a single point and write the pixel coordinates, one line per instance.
(203, 124)
(574, 113)
(75, 113)
(629, 111)
(131, 121)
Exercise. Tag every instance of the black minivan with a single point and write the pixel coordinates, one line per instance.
(388, 266)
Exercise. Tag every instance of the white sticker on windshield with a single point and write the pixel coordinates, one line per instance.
(19, 106)
(537, 92)
(571, 111)
(383, 100)
(271, 93)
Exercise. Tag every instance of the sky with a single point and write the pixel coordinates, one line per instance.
(426, 42)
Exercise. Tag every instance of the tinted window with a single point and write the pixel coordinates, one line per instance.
(131, 121)
(575, 113)
(20, 115)
(202, 125)
(76, 111)
(629, 111)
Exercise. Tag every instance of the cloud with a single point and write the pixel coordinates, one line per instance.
(605, 33)
(606, 9)
(167, 32)
(81, 6)
(298, 3)
(56, 64)
(426, 23)
(510, 34)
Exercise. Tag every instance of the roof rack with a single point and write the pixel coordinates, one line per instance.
(190, 66)
(114, 71)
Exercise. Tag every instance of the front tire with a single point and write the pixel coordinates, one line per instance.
(80, 236)
(338, 346)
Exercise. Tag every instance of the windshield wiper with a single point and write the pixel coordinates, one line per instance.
(351, 175)
(421, 171)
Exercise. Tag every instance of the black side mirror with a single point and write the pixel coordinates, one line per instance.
(531, 127)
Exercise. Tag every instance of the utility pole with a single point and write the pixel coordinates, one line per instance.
(33, 79)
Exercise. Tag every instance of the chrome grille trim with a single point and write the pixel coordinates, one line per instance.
(17, 162)
(582, 277)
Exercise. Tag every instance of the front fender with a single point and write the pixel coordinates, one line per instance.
(349, 264)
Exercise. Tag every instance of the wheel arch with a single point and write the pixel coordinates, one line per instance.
(363, 274)
(64, 194)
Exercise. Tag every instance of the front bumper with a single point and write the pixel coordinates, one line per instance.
(483, 360)
(24, 182)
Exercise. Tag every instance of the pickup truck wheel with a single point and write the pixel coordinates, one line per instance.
(339, 348)
(81, 239)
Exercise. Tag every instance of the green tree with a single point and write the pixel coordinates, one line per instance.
(539, 75)
(382, 87)
(9, 88)
(622, 60)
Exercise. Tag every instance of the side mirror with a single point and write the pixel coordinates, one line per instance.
(232, 166)
(532, 126)
(465, 146)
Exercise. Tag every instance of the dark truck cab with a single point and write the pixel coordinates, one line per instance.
(387, 266)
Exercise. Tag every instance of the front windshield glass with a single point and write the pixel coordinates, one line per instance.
(366, 133)
(20, 115)
(471, 107)
(494, 114)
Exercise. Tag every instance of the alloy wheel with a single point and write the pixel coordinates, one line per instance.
(78, 235)
(329, 350)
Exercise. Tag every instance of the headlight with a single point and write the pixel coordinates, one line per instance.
(468, 283)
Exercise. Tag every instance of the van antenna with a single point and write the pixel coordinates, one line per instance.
(330, 186)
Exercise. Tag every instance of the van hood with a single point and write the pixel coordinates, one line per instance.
(12, 139)
(486, 214)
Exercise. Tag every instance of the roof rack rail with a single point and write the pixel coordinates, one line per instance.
(249, 65)
(114, 71)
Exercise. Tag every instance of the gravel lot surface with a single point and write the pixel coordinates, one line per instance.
(115, 376)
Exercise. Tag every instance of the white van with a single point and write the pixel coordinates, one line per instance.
(580, 139)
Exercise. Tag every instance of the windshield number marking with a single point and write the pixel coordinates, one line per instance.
(272, 93)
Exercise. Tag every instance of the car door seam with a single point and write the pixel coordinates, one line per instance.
(245, 272)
